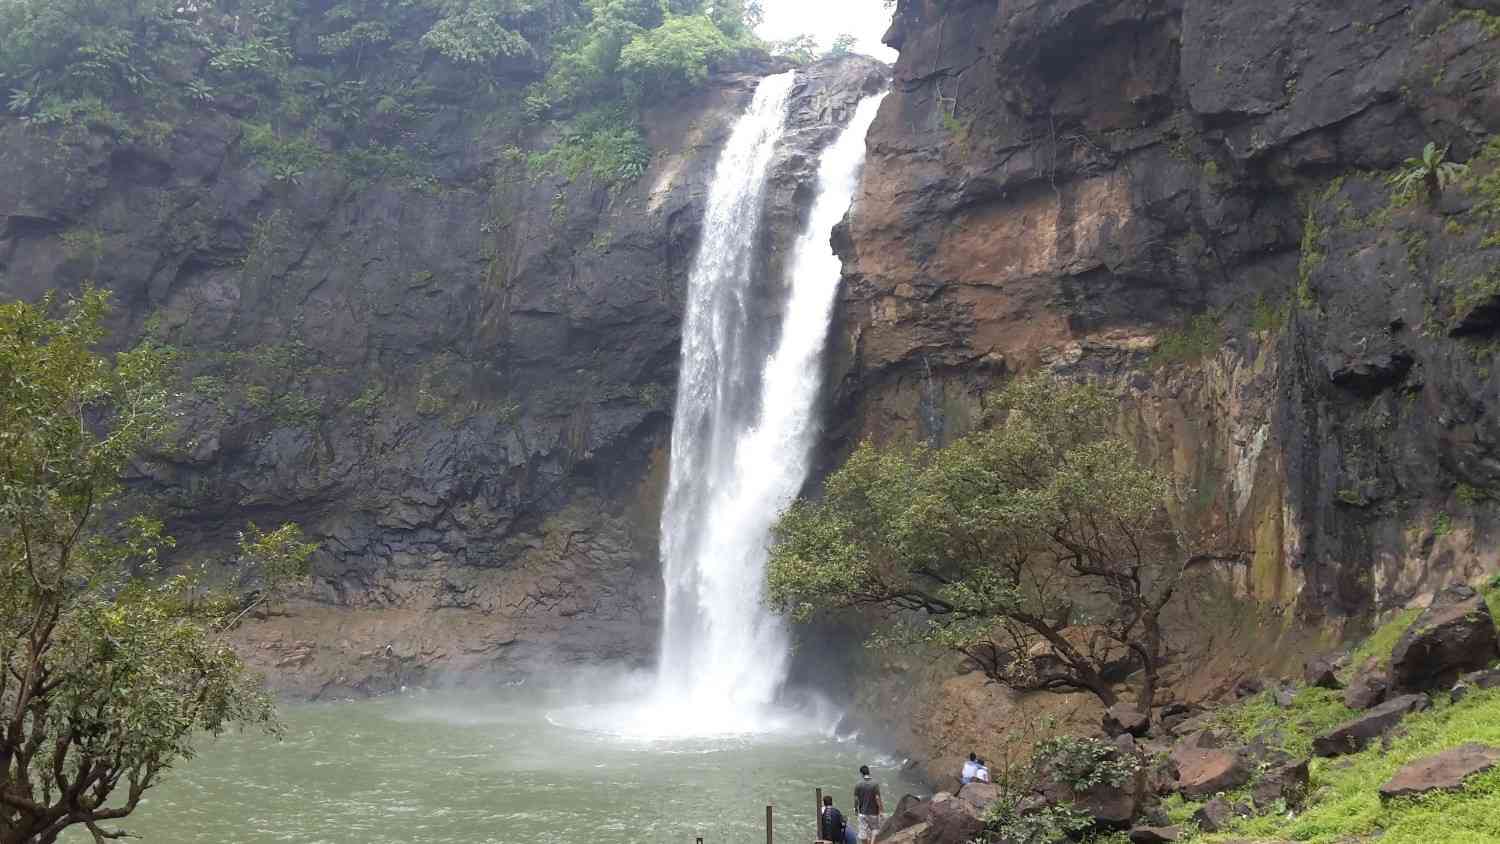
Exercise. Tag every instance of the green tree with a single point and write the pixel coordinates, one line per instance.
(480, 31)
(673, 57)
(106, 673)
(1039, 548)
(843, 45)
(800, 49)
(278, 559)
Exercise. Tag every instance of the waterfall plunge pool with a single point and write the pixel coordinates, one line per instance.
(508, 766)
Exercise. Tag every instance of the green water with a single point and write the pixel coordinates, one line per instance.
(494, 768)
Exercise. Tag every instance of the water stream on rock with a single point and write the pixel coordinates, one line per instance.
(743, 432)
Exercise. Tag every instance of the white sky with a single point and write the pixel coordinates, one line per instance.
(825, 19)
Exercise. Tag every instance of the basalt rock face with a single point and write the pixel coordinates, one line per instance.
(461, 386)
(1189, 200)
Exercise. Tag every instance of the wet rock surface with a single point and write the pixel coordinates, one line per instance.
(1029, 203)
(1188, 200)
(462, 389)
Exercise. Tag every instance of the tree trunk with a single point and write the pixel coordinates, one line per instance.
(1151, 659)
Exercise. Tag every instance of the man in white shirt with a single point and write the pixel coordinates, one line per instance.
(982, 773)
(969, 768)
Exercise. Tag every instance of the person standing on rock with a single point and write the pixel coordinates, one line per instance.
(868, 804)
(970, 767)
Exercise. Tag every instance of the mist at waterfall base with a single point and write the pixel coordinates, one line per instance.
(490, 767)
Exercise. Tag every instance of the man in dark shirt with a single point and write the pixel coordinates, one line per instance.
(869, 806)
(832, 824)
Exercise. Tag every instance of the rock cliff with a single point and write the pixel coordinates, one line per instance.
(460, 385)
(1189, 199)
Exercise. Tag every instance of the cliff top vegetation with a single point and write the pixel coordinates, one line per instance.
(317, 75)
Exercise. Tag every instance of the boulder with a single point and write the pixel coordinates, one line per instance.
(1352, 736)
(1487, 679)
(1205, 765)
(1284, 696)
(1321, 673)
(1248, 686)
(979, 794)
(1217, 814)
(1454, 635)
(1160, 775)
(1169, 717)
(910, 835)
(1287, 782)
(951, 820)
(1124, 718)
(1444, 771)
(910, 810)
(1112, 807)
(1154, 834)
(1368, 689)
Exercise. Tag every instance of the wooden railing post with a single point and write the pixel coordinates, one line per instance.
(818, 815)
(769, 826)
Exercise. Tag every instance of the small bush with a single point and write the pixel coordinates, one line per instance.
(1442, 525)
(1471, 496)
(673, 57)
(1194, 341)
(1082, 763)
(1005, 824)
(605, 144)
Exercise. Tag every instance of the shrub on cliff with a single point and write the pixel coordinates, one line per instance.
(673, 57)
(108, 671)
(1432, 171)
(1038, 547)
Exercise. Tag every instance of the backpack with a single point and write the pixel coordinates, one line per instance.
(833, 824)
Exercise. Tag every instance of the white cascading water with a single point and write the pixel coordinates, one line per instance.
(743, 433)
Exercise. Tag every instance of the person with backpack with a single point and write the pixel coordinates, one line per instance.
(831, 823)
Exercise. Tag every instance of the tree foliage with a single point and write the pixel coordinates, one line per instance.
(843, 45)
(356, 74)
(107, 670)
(673, 57)
(1038, 547)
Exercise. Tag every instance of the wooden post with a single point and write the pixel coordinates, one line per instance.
(769, 827)
(698, 840)
(818, 815)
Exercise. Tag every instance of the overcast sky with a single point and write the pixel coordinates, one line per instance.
(824, 19)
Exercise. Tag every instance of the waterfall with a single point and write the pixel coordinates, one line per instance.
(744, 428)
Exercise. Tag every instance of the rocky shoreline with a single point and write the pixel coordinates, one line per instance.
(1183, 771)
